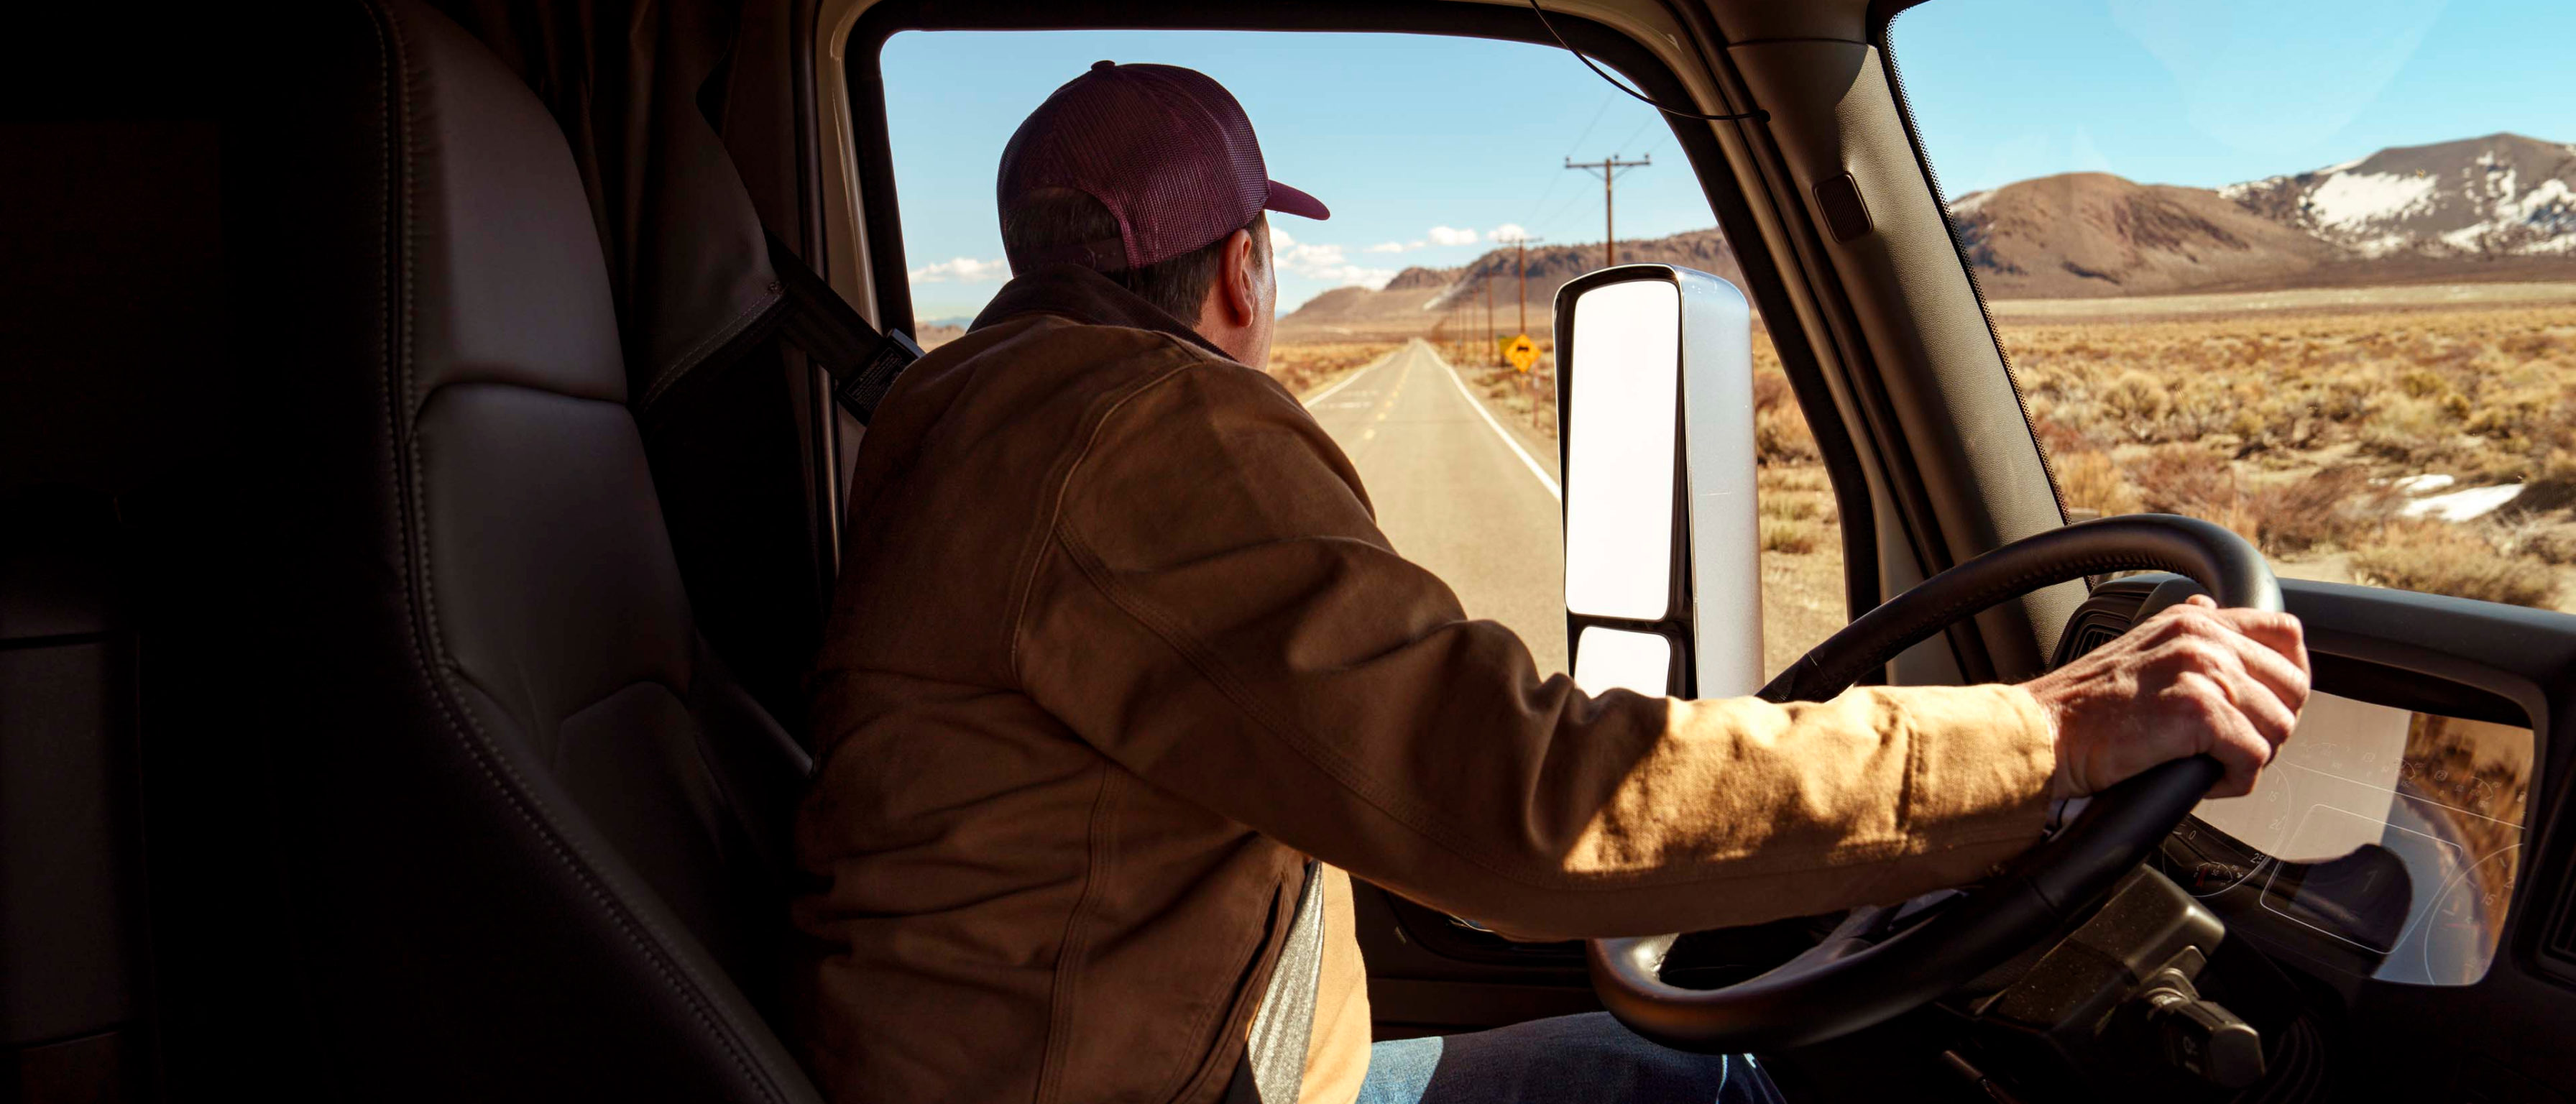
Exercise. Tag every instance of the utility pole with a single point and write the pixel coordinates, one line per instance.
(1608, 170)
(1523, 266)
(1493, 352)
(1529, 381)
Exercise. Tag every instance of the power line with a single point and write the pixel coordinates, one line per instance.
(1553, 181)
(1559, 212)
(1630, 141)
(1597, 112)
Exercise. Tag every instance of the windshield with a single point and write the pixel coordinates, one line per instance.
(2306, 269)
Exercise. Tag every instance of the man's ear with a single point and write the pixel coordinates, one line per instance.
(1239, 279)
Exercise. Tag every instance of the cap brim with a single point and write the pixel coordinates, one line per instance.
(1291, 201)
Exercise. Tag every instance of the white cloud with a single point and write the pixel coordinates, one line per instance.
(1509, 231)
(1316, 261)
(1450, 235)
(1299, 257)
(1386, 247)
(1373, 279)
(964, 270)
(1416, 243)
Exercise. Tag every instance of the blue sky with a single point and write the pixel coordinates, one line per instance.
(1427, 147)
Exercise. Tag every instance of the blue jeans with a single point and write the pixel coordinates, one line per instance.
(1570, 1058)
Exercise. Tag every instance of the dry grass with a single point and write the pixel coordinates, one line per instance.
(1795, 538)
(1802, 562)
(2289, 428)
(1780, 433)
(2093, 483)
(1528, 398)
(1305, 367)
(2489, 389)
(2442, 558)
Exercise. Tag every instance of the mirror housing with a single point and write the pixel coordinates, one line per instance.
(1663, 545)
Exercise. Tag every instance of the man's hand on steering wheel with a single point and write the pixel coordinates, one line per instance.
(2187, 705)
(2193, 680)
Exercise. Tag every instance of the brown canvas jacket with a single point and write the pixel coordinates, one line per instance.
(1118, 643)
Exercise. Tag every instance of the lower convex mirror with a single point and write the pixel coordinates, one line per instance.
(1654, 378)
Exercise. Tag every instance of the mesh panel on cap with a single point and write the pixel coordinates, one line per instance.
(1166, 149)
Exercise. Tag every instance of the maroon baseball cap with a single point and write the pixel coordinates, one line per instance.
(1166, 149)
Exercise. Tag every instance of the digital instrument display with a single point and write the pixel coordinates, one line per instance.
(2397, 834)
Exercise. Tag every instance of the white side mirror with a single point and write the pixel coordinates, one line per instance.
(1663, 565)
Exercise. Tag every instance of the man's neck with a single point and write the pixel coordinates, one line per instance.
(1081, 293)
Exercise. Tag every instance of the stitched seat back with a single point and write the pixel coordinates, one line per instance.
(537, 832)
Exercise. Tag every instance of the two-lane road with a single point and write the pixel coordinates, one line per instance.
(1456, 492)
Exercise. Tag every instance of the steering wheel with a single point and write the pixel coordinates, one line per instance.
(1845, 985)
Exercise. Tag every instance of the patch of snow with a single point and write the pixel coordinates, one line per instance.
(2238, 192)
(2463, 505)
(2549, 210)
(2552, 192)
(2468, 239)
(2418, 484)
(2340, 166)
(2380, 246)
(2352, 201)
(1968, 204)
(2501, 187)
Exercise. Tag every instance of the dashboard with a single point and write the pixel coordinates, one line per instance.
(2384, 841)
(2395, 833)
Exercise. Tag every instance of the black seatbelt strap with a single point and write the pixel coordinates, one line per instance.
(863, 362)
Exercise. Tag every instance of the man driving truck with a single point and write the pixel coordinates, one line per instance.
(1122, 677)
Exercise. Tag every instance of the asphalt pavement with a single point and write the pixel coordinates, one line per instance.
(1456, 491)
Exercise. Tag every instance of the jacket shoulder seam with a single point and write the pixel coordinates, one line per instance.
(1033, 556)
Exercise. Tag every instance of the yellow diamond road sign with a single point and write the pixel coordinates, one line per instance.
(1522, 351)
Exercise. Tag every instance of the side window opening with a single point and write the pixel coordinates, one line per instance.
(1452, 230)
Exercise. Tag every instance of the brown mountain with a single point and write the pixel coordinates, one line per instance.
(1418, 277)
(2080, 235)
(1418, 301)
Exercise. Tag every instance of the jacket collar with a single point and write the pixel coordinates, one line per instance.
(1084, 295)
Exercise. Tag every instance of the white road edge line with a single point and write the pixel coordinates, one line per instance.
(1544, 479)
(1346, 380)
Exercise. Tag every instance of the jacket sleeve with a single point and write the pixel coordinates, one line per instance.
(1214, 608)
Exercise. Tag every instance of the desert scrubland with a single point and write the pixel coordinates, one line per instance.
(2406, 437)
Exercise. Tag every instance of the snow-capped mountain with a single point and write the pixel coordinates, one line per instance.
(2498, 196)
